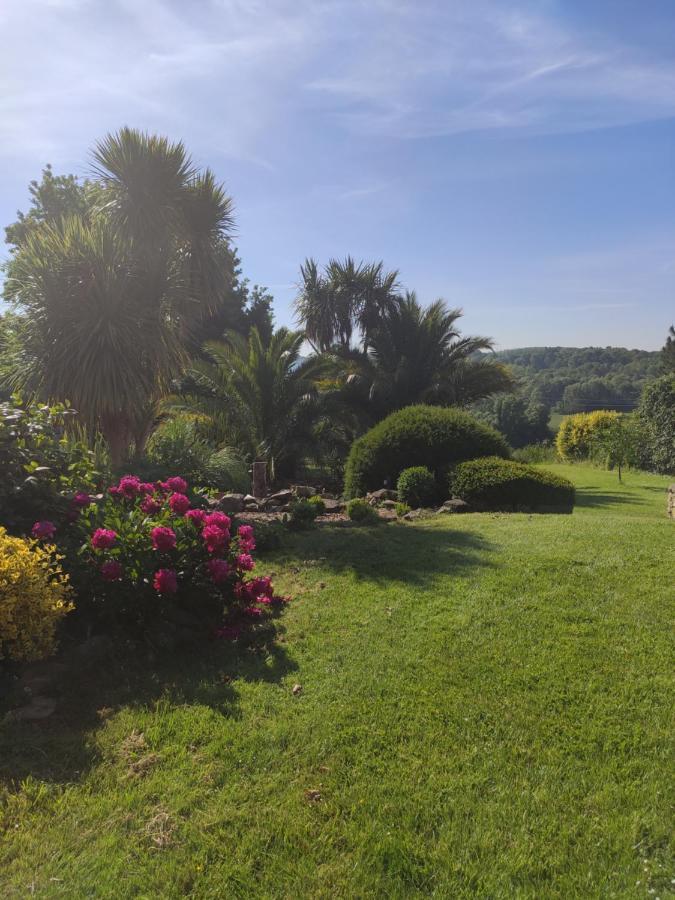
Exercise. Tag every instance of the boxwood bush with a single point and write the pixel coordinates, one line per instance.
(431, 436)
(499, 484)
(417, 487)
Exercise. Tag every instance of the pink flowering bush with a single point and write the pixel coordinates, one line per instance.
(148, 553)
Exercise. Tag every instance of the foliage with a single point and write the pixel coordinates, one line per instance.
(582, 379)
(303, 512)
(578, 433)
(416, 487)
(361, 512)
(536, 453)
(34, 598)
(431, 436)
(417, 355)
(502, 484)
(114, 288)
(262, 398)
(44, 462)
(402, 509)
(656, 414)
(344, 299)
(226, 470)
(150, 552)
(668, 351)
(521, 420)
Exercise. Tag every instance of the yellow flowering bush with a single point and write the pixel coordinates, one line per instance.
(577, 433)
(34, 597)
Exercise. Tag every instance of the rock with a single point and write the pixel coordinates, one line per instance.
(280, 498)
(38, 708)
(382, 494)
(303, 490)
(326, 496)
(250, 503)
(388, 504)
(416, 514)
(389, 515)
(454, 506)
(333, 506)
(230, 503)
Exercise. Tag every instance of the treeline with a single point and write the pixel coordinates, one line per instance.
(570, 379)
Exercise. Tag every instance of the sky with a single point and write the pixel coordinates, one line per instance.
(514, 158)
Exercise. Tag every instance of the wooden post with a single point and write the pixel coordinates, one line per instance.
(259, 472)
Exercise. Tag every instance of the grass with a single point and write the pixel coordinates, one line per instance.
(485, 711)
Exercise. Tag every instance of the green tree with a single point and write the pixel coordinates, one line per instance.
(344, 301)
(618, 445)
(260, 397)
(657, 415)
(522, 421)
(418, 355)
(114, 288)
(668, 351)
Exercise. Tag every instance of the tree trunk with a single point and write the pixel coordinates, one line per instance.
(116, 433)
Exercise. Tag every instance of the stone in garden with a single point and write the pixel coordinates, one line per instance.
(389, 515)
(280, 498)
(303, 490)
(231, 503)
(415, 514)
(388, 504)
(454, 506)
(333, 506)
(259, 479)
(382, 494)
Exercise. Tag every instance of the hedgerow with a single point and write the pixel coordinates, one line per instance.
(499, 484)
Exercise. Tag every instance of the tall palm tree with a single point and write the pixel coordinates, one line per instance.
(260, 396)
(112, 297)
(344, 300)
(417, 355)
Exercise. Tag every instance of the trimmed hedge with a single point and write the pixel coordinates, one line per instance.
(417, 487)
(431, 436)
(499, 484)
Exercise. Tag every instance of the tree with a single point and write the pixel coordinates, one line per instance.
(668, 351)
(417, 355)
(344, 301)
(522, 421)
(262, 398)
(115, 277)
(657, 415)
(618, 445)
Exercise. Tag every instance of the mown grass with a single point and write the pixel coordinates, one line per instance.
(486, 711)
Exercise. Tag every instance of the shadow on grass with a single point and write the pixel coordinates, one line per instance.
(61, 748)
(590, 497)
(389, 552)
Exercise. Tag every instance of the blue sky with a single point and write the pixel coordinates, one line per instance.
(515, 158)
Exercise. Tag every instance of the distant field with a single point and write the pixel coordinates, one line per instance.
(486, 710)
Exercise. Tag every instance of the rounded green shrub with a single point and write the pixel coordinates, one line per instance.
(416, 487)
(361, 512)
(303, 513)
(500, 484)
(431, 436)
(578, 433)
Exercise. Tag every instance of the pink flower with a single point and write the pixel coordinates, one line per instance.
(260, 587)
(81, 499)
(218, 570)
(103, 538)
(147, 487)
(245, 562)
(149, 505)
(163, 538)
(246, 538)
(252, 611)
(115, 492)
(130, 486)
(218, 518)
(229, 632)
(196, 516)
(43, 530)
(177, 484)
(179, 504)
(165, 581)
(111, 570)
(214, 538)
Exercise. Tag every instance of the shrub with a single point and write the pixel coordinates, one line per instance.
(225, 470)
(361, 512)
(416, 487)
(304, 512)
(43, 463)
(577, 433)
(402, 509)
(34, 597)
(148, 551)
(656, 413)
(500, 484)
(430, 436)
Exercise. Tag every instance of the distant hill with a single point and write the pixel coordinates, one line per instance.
(577, 379)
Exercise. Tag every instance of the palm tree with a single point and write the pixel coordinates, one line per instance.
(113, 297)
(417, 355)
(261, 397)
(344, 299)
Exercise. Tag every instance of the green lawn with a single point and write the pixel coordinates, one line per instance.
(486, 711)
